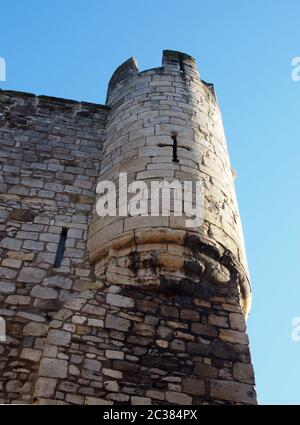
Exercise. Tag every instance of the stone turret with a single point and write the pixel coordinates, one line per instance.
(183, 291)
(146, 303)
(147, 109)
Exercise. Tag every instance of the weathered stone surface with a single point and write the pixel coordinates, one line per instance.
(9, 262)
(178, 398)
(119, 300)
(218, 320)
(11, 243)
(178, 345)
(161, 343)
(156, 395)
(7, 287)
(14, 386)
(186, 314)
(115, 322)
(140, 310)
(45, 387)
(53, 368)
(243, 372)
(205, 371)
(237, 321)
(205, 330)
(143, 329)
(31, 316)
(140, 400)
(111, 386)
(93, 365)
(33, 245)
(112, 373)
(146, 306)
(75, 303)
(164, 332)
(171, 312)
(233, 391)
(118, 398)
(112, 354)
(22, 256)
(6, 273)
(94, 310)
(97, 401)
(234, 337)
(193, 386)
(18, 300)
(75, 399)
(31, 275)
(35, 329)
(68, 386)
(44, 293)
(23, 215)
(96, 322)
(58, 281)
(31, 354)
(59, 337)
(198, 348)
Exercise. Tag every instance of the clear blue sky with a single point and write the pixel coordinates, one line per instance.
(69, 48)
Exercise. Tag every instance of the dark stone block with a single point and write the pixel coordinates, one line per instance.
(170, 312)
(205, 330)
(193, 386)
(198, 348)
(224, 351)
(146, 306)
(205, 371)
(22, 215)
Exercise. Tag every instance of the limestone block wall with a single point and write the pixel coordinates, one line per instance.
(125, 344)
(141, 310)
(50, 151)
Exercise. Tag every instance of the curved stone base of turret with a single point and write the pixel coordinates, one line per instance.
(150, 256)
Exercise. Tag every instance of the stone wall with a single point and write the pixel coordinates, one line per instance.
(134, 345)
(142, 310)
(147, 108)
(50, 151)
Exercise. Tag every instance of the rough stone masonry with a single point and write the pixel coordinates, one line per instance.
(120, 310)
